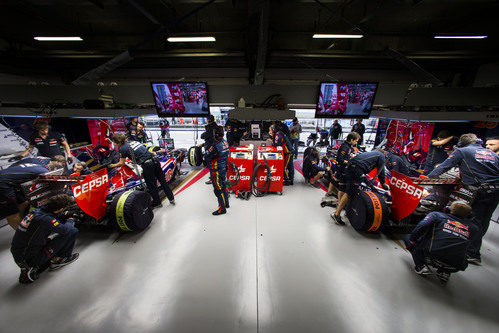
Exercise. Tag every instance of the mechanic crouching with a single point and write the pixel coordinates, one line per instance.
(479, 170)
(216, 158)
(442, 239)
(311, 169)
(13, 202)
(151, 167)
(44, 239)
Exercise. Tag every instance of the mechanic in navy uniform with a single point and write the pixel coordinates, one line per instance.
(335, 131)
(47, 142)
(492, 143)
(45, 239)
(312, 171)
(444, 237)
(13, 202)
(280, 139)
(140, 134)
(357, 167)
(342, 158)
(216, 158)
(208, 137)
(479, 168)
(151, 168)
(437, 152)
(131, 127)
(396, 163)
(359, 128)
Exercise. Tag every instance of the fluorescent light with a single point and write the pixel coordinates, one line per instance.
(58, 39)
(336, 36)
(460, 37)
(190, 39)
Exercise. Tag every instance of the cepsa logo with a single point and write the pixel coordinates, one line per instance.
(241, 170)
(409, 189)
(89, 186)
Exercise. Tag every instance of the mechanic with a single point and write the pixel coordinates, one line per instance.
(359, 128)
(140, 134)
(335, 131)
(131, 127)
(478, 168)
(437, 151)
(342, 158)
(208, 137)
(396, 163)
(492, 143)
(279, 139)
(444, 237)
(165, 128)
(151, 168)
(79, 169)
(216, 158)
(295, 130)
(13, 202)
(311, 169)
(47, 142)
(356, 168)
(44, 239)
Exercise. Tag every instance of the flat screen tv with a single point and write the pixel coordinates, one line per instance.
(345, 99)
(181, 99)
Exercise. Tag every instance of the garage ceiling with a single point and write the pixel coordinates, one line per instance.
(254, 35)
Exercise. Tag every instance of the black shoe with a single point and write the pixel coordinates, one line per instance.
(337, 219)
(28, 275)
(208, 182)
(219, 212)
(474, 261)
(64, 261)
(172, 202)
(227, 206)
(422, 270)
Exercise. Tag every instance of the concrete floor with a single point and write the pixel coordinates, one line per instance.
(256, 269)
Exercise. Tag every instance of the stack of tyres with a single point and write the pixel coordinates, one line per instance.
(195, 156)
(367, 211)
(131, 211)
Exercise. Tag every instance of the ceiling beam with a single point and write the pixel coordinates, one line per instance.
(263, 37)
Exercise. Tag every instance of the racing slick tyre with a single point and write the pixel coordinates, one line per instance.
(367, 211)
(195, 156)
(131, 211)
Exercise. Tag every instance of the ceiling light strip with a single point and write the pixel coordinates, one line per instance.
(460, 37)
(59, 39)
(336, 36)
(190, 39)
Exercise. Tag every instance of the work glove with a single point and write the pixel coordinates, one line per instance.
(70, 160)
(15, 158)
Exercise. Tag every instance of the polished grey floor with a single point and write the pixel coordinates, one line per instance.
(272, 264)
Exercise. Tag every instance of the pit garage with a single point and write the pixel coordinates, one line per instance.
(249, 166)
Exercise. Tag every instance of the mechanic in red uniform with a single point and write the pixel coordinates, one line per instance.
(44, 239)
(279, 139)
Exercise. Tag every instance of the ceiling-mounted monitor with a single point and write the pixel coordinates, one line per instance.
(181, 99)
(345, 99)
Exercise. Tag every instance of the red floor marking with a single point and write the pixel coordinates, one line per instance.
(298, 167)
(193, 180)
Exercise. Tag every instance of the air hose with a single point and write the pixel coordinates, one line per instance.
(234, 167)
(260, 191)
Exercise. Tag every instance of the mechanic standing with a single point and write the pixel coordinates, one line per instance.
(151, 168)
(208, 137)
(342, 158)
(140, 134)
(131, 127)
(295, 130)
(359, 128)
(335, 131)
(478, 168)
(47, 142)
(279, 139)
(216, 158)
(165, 128)
(44, 239)
(437, 151)
(444, 237)
(359, 166)
(13, 202)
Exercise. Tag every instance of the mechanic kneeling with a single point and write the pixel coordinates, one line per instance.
(442, 237)
(311, 169)
(151, 167)
(44, 239)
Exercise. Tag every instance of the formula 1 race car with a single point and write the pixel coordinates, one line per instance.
(106, 196)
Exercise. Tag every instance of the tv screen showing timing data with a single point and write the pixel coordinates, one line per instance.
(181, 99)
(345, 100)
